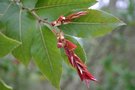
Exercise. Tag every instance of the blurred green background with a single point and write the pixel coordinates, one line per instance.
(111, 58)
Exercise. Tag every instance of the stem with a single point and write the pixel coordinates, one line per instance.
(37, 17)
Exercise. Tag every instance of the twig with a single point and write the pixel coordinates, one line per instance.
(37, 17)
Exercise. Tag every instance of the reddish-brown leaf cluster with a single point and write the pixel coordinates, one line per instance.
(69, 48)
(66, 20)
(74, 60)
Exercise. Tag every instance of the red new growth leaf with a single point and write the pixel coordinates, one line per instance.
(66, 20)
(76, 15)
(81, 68)
(70, 45)
(59, 21)
(69, 48)
(75, 61)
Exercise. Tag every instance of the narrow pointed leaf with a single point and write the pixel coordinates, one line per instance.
(95, 23)
(19, 25)
(52, 9)
(47, 56)
(7, 44)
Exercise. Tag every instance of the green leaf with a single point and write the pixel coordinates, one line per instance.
(95, 23)
(29, 3)
(4, 86)
(7, 44)
(19, 25)
(47, 56)
(4, 6)
(52, 9)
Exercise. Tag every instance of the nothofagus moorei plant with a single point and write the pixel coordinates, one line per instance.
(38, 29)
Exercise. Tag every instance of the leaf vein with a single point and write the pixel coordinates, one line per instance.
(87, 23)
(45, 47)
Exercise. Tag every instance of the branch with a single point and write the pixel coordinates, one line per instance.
(37, 17)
